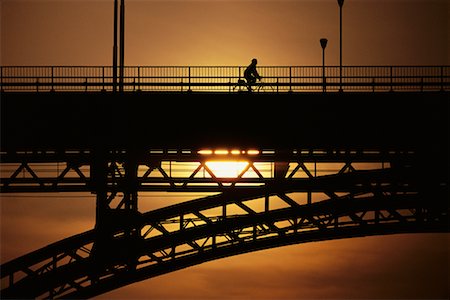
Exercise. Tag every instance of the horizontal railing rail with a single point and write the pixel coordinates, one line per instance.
(224, 78)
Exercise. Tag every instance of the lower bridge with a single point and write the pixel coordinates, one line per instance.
(316, 166)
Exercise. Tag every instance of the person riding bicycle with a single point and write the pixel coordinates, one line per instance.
(251, 74)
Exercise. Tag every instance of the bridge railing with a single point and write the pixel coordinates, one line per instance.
(225, 78)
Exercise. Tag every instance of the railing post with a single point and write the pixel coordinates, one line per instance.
(53, 88)
(290, 79)
(442, 78)
(373, 84)
(1, 79)
(324, 80)
(103, 79)
(139, 78)
(189, 79)
(391, 79)
(37, 84)
(239, 79)
(86, 84)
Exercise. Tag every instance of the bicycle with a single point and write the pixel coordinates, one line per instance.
(259, 86)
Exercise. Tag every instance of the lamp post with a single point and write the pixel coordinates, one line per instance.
(122, 44)
(341, 3)
(323, 43)
(114, 70)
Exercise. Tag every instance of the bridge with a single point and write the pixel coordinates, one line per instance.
(313, 163)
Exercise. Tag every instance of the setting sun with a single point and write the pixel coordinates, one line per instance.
(226, 169)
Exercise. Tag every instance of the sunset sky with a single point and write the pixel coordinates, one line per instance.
(222, 32)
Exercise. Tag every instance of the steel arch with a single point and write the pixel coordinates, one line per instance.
(140, 246)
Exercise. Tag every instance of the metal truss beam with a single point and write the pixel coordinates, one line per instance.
(183, 170)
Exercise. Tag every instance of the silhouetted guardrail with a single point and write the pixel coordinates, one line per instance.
(225, 78)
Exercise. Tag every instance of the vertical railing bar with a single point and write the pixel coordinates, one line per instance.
(52, 89)
(139, 78)
(290, 79)
(103, 78)
(58, 77)
(189, 74)
(177, 72)
(391, 80)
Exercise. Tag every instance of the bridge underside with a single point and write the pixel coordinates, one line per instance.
(113, 144)
(242, 120)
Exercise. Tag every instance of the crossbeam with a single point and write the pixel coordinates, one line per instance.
(189, 170)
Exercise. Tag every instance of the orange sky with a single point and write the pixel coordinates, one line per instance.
(406, 266)
(220, 32)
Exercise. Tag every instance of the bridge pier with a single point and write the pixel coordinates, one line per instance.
(99, 182)
(108, 247)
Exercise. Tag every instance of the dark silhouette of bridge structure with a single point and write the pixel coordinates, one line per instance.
(318, 164)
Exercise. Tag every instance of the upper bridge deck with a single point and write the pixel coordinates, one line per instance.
(197, 107)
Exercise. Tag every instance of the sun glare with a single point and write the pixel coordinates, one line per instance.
(226, 169)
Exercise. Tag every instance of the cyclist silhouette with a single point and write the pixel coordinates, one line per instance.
(251, 74)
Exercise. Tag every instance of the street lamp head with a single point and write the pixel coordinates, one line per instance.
(323, 43)
(340, 2)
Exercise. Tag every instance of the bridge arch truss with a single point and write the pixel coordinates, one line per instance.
(367, 193)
